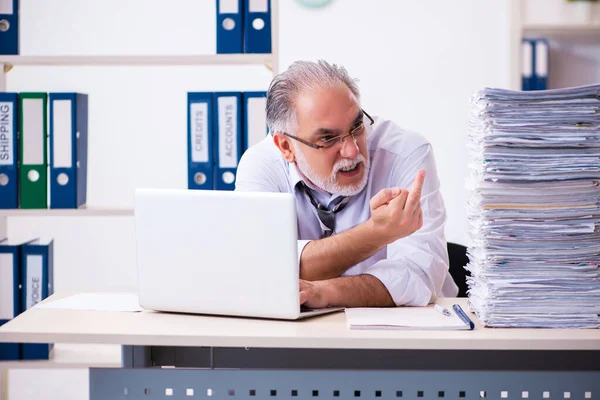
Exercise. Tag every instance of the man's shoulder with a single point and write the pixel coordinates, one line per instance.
(388, 136)
(262, 160)
(263, 152)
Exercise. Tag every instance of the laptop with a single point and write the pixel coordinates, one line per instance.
(219, 253)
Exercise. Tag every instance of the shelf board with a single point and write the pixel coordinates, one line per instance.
(587, 34)
(139, 60)
(79, 212)
(73, 356)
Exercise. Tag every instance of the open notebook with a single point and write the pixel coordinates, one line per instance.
(420, 318)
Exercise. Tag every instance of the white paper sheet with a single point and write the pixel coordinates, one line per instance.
(126, 302)
(422, 318)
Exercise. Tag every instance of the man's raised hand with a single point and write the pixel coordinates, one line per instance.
(396, 213)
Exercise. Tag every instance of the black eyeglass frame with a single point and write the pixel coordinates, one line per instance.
(341, 138)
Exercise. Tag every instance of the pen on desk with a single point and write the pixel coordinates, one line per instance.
(459, 311)
(442, 310)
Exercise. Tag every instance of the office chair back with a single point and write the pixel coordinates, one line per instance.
(457, 255)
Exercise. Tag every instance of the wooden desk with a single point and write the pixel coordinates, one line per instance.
(192, 356)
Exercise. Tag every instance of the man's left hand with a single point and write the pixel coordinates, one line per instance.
(345, 291)
(313, 294)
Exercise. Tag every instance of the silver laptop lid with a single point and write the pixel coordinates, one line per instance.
(217, 252)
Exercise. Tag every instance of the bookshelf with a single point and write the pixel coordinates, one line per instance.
(567, 26)
(65, 356)
(575, 33)
(73, 355)
(80, 212)
(142, 60)
(85, 356)
(10, 62)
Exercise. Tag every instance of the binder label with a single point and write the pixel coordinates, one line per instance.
(258, 6)
(7, 287)
(228, 7)
(527, 58)
(61, 139)
(33, 132)
(541, 59)
(199, 131)
(257, 120)
(6, 134)
(33, 282)
(6, 6)
(228, 151)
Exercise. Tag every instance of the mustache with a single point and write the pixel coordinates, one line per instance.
(346, 163)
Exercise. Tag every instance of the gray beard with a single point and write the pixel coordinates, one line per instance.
(329, 184)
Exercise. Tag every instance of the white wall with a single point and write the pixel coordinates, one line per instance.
(418, 63)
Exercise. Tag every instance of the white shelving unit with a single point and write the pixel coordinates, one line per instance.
(150, 60)
(71, 355)
(555, 20)
(65, 356)
(82, 356)
(577, 33)
(80, 212)
(7, 63)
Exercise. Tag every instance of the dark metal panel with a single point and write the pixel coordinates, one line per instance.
(158, 383)
(239, 358)
(135, 357)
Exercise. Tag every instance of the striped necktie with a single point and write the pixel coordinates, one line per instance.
(326, 216)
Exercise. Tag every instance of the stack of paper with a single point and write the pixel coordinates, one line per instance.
(533, 208)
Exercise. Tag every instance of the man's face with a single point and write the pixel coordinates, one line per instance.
(323, 114)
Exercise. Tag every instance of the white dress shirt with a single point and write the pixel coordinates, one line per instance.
(414, 269)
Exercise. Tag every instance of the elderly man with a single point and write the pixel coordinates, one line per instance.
(370, 214)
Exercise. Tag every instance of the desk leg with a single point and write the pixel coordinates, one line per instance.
(136, 357)
(3, 383)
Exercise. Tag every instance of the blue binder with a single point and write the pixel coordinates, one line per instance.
(200, 140)
(229, 27)
(9, 153)
(10, 293)
(257, 26)
(68, 149)
(527, 70)
(227, 138)
(541, 55)
(9, 29)
(255, 118)
(37, 281)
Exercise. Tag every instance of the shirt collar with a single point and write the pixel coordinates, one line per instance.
(322, 196)
(295, 177)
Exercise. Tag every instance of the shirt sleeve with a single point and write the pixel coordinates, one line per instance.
(416, 266)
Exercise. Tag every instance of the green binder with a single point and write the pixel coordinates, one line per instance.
(33, 161)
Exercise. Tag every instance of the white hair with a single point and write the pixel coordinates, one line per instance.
(301, 76)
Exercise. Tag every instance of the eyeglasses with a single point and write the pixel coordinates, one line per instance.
(328, 141)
